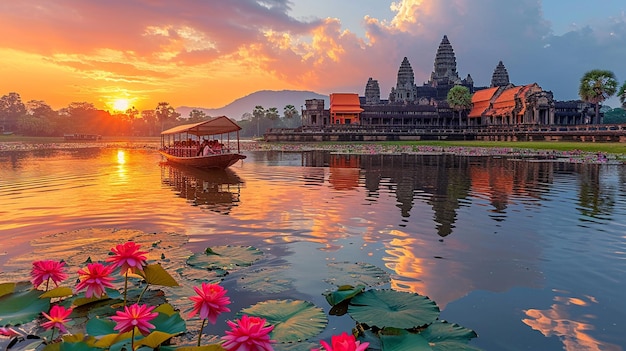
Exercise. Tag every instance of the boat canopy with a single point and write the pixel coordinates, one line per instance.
(213, 126)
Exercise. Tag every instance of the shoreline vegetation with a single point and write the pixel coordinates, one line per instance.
(576, 152)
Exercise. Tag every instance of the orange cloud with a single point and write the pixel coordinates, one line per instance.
(572, 330)
(209, 53)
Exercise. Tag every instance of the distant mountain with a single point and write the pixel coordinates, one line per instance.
(265, 98)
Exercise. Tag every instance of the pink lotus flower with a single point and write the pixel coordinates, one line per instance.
(95, 277)
(128, 257)
(135, 316)
(248, 334)
(210, 301)
(8, 331)
(57, 318)
(46, 271)
(343, 342)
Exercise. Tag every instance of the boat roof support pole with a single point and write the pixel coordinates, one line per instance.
(238, 151)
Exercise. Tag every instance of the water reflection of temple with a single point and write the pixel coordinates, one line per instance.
(445, 182)
(214, 189)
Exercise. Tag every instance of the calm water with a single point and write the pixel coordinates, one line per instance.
(530, 255)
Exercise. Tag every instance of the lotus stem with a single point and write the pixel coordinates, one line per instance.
(132, 340)
(126, 288)
(200, 333)
(142, 292)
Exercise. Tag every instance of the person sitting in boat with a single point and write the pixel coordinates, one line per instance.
(201, 147)
(217, 147)
(207, 150)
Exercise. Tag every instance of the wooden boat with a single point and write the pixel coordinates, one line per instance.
(206, 144)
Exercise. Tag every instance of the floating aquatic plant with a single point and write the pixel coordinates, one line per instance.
(356, 273)
(384, 319)
(293, 320)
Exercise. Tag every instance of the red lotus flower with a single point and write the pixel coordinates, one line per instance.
(135, 316)
(128, 257)
(210, 301)
(95, 277)
(57, 318)
(248, 334)
(344, 342)
(46, 271)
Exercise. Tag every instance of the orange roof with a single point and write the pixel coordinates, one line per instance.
(505, 103)
(481, 101)
(506, 100)
(524, 91)
(345, 102)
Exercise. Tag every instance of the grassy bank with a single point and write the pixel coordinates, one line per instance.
(610, 148)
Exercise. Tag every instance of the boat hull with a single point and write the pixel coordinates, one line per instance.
(221, 161)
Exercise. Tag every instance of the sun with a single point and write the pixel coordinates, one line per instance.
(121, 105)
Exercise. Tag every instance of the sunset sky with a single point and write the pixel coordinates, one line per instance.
(207, 53)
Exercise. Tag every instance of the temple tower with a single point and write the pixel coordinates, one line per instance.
(445, 65)
(500, 77)
(372, 92)
(405, 90)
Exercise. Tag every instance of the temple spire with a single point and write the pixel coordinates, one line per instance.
(372, 92)
(405, 90)
(445, 65)
(500, 77)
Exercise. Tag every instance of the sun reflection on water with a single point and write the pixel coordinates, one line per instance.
(121, 157)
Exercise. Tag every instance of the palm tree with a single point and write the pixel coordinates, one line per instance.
(622, 95)
(258, 113)
(596, 86)
(459, 99)
(272, 113)
(290, 111)
(165, 113)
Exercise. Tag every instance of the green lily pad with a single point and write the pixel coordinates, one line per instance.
(444, 336)
(22, 307)
(356, 273)
(227, 257)
(61, 291)
(6, 288)
(154, 274)
(195, 275)
(343, 293)
(389, 308)
(401, 340)
(100, 327)
(266, 280)
(367, 335)
(293, 320)
(72, 343)
(155, 339)
(296, 346)
(168, 323)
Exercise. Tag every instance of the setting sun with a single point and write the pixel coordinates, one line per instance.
(121, 105)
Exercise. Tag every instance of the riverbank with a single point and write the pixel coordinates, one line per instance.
(576, 152)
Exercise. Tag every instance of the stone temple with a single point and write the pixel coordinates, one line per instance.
(408, 104)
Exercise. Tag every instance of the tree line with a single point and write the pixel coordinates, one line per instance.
(255, 123)
(37, 118)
